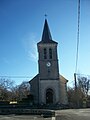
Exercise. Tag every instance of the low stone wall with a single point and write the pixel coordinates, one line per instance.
(19, 111)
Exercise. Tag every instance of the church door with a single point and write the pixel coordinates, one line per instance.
(49, 96)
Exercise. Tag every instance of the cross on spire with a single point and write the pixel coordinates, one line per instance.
(45, 16)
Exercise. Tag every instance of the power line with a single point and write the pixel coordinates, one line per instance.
(78, 36)
(15, 76)
(79, 74)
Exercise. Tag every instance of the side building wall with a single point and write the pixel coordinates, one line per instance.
(63, 93)
(34, 88)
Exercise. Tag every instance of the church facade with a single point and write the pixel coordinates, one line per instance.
(48, 86)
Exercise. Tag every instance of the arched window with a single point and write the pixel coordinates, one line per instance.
(50, 53)
(45, 53)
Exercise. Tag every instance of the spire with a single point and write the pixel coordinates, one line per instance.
(46, 36)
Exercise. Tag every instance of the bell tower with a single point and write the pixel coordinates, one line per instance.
(49, 82)
(48, 58)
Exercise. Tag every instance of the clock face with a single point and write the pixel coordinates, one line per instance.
(48, 64)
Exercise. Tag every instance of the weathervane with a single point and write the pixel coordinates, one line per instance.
(45, 16)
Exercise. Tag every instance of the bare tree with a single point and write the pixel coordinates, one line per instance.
(9, 91)
(75, 98)
(21, 91)
(83, 84)
(79, 95)
(6, 86)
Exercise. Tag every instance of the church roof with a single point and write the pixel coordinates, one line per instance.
(46, 35)
(63, 79)
(36, 78)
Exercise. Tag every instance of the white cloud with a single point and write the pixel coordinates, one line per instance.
(30, 46)
(32, 54)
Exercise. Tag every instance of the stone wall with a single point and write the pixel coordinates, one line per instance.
(46, 84)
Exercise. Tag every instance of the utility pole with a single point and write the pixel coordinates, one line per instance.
(76, 92)
(75, 79)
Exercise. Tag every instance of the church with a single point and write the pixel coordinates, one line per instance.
(48, 86)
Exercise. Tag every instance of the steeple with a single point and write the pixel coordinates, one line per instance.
(46, 36)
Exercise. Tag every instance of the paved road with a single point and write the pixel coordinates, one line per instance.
(23, 117)
(73, 114)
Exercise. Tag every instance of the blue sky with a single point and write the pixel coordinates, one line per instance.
(21, 25)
